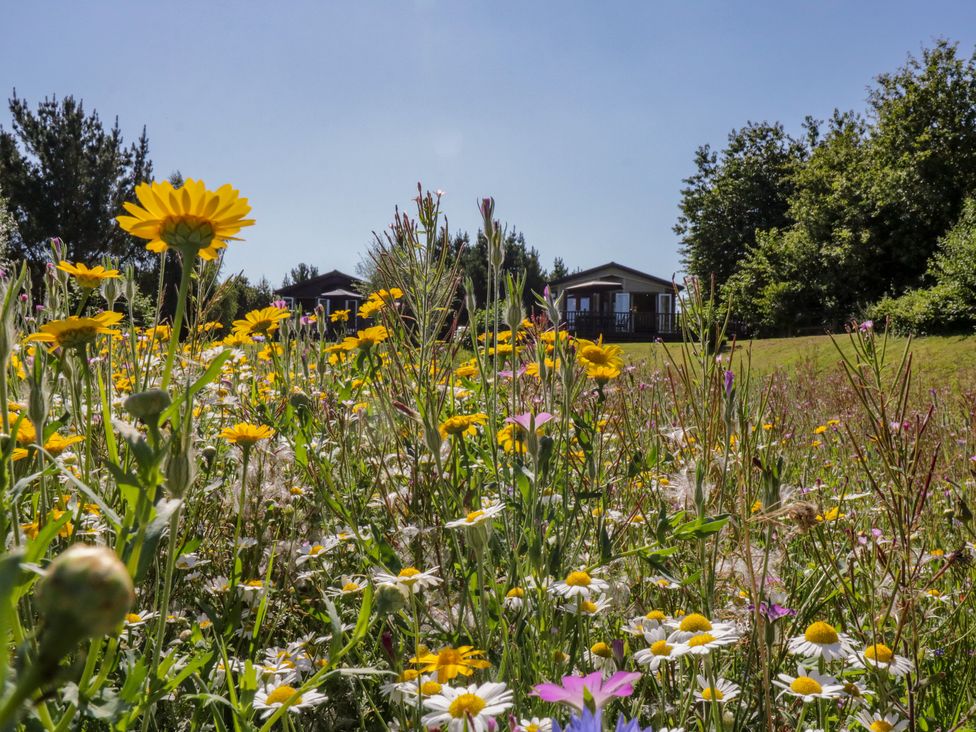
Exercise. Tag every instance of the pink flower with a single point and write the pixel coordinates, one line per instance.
(573, 691)
(526, 420)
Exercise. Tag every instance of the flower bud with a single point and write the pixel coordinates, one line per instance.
(390, 598)
(147, 404)
(86, 593)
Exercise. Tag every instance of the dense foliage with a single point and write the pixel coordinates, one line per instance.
(813, 231)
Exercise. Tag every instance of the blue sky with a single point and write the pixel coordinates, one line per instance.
(580, 118)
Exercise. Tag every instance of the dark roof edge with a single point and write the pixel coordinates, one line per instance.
(313, 280)
(624, 267)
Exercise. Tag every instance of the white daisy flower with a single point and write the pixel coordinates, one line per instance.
(218, 585)
(189, 561)
(467, 709)
(586, 607)
(722, 692)
(534, 724)
(695, 624)
(665, 583)
(701, 644)
(659, 650)
(643, 624)
(410, 578)
(809, 685)
(134, 620)
(821, 640)
(875, 722)
(878, 655)
(514, 599)
(425, 686)
(308, 552)
(579, 583)
(477, 517)
(272, 696)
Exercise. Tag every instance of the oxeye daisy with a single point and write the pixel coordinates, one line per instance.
(809, 685)
(467, 709)
(878, 655)
(425, 685)
(269, 698)
(881, 723)
(476, 517)
(694, 624)
(722, 691)
(821, 640)
(658, 650)
(410, 578)
(534, 724)
(514, 598)
(579, 583)
(134, 620)
(450, 662)
(581, 606)
(701, 644)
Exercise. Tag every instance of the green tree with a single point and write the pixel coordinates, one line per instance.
(949, 304)
(300, 273)
(518, 257)
(559, 269)
(66, 175)
(734, 194)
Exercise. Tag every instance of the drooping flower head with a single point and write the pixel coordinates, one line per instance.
(192, 218)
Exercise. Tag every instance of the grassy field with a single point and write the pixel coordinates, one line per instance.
(948, 359)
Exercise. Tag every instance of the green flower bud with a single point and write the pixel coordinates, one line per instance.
(147, 404)
(86, 593)
(391, 598)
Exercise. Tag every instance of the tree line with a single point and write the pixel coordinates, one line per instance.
(867, 215)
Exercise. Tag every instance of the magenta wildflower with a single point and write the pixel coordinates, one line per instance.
(591, 691)
(526, 420)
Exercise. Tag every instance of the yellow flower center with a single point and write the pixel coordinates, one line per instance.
(281, 695)
(466, 704)
(449, 657)
(661, 648)
(934, 593)
(133, 618)
(695, 623)
(823, 634)
(879, 725)
(316, 550)
(879, 653)
(474, 516)
(409, 675)
(532, 727)
(711, 694)
(578, 579)
(702, 639)
(601, 649)
(588, 606)
(429, 688)
(515, 592)
(408, 572)
(656, 615)
(805, 685)
(254, 583)
(350, 587)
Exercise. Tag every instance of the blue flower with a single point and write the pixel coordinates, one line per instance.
(590, 722)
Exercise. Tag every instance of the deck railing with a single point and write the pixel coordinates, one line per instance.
(585, 322)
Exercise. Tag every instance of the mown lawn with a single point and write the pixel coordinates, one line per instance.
(938, 359)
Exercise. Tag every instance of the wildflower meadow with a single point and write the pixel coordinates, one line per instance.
(459, 517)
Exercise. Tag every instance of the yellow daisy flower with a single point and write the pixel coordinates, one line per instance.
(88, 278)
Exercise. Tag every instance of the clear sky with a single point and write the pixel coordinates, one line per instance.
(580, 118)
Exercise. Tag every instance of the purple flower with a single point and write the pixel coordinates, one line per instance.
(729, 380)
(866, 326)
(773, 612)
(526, 419)
(575, 689)
(279, 304)
(585, 722)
